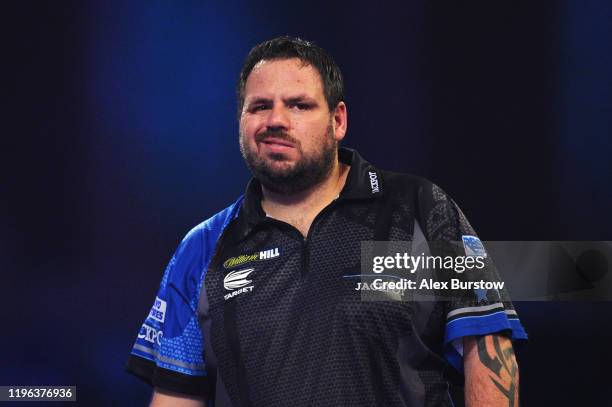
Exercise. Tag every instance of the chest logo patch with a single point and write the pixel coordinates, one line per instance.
(247, 258)
(237, 279)
(237, 282)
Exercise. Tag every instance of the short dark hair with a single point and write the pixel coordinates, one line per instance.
(286, 47)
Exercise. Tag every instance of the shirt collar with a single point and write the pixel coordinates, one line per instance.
(364, 181)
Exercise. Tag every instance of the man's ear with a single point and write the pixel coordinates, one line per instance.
(340, 121)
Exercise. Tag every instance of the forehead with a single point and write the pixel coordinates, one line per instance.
(284, 76)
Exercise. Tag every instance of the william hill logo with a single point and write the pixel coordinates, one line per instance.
(247, 258)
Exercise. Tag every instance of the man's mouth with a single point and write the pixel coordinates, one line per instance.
(273, 142)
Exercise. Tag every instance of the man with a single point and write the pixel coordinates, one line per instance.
(259, 306)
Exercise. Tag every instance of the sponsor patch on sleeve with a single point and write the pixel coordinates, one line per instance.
(473, 246)
(158, 312)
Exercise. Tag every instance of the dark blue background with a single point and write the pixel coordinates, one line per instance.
(119, 135)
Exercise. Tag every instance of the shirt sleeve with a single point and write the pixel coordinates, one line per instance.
(467, 311)
(169, 349)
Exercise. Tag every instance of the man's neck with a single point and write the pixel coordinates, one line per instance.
(300, 209)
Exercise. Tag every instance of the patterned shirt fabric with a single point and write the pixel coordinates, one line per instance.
(252, 313)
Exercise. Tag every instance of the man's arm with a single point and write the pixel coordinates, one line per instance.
(491, 372)
(164, 398)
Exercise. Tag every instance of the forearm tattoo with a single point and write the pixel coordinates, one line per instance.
(502, 360)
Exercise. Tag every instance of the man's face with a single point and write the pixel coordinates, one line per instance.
(288, 137)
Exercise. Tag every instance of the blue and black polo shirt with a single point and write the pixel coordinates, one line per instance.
(251, 313)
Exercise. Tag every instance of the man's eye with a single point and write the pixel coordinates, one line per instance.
(258, 108)
(302, 106)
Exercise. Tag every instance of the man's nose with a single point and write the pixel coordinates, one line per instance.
(278, 119)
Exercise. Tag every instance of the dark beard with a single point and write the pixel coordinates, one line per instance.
(307, 172)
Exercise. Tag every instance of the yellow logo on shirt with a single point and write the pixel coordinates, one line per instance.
(246, 258)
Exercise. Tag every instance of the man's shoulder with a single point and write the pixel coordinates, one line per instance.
(186, 268)
(405, 183)
(210, 229)
(423, 195)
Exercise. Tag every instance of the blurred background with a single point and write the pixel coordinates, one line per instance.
(119, 134)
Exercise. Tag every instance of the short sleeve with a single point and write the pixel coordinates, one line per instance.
(169, 348)
(467, 311)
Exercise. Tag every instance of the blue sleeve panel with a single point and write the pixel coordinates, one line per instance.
(170, 336)
(496, 322)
